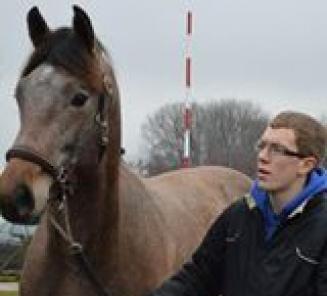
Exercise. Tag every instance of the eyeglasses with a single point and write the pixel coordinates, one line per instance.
(275, 149)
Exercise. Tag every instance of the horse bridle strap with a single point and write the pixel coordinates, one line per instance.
(77, 251)
(27, 154)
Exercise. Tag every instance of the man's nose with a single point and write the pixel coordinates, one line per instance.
(264, 154)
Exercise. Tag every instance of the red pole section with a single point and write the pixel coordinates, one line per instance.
(188, 72)
(189, 23)
(187, 114)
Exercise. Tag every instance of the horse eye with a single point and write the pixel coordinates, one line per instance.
(79, 100)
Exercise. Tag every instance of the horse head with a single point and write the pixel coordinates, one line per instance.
(68, 103)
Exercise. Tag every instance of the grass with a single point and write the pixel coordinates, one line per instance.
(8, 293)
(9, 278)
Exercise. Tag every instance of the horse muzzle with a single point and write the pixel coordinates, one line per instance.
(21, 206)
(24, 191)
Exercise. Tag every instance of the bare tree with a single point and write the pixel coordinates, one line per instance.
(223, 133)
(163, 139)
(232, 128)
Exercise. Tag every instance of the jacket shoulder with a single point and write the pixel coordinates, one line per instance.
(239, 211)
(244, 203)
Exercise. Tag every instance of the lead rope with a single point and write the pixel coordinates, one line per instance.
(65, 234)
(75, 247)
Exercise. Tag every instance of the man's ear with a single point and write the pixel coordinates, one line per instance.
(307, 164)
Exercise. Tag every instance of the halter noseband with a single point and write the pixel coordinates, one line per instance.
(29, 155)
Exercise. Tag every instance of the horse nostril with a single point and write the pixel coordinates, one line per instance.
(24, 201)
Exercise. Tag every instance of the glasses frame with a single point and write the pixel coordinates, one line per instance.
(277, 149)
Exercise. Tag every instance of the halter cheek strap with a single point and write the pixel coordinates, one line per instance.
(102, 126)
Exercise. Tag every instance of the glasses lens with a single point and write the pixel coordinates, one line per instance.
(275, 149)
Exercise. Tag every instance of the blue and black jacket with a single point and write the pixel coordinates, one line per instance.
(250, 251)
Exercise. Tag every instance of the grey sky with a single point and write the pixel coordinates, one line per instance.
(271, 52)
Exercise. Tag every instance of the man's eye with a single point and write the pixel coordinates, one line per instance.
(79, 100)
(277, 148)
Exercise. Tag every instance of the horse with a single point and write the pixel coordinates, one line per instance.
(102, 230)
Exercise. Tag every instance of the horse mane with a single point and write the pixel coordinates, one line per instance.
(64, 48)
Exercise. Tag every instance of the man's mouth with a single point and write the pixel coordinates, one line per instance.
(262, 173)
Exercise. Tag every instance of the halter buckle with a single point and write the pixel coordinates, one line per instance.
(75, 248)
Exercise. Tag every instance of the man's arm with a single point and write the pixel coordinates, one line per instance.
(203, 274)
(321, 279)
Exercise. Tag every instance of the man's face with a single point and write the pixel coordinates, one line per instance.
(279, 166)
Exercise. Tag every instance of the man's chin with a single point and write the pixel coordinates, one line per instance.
(265, 185)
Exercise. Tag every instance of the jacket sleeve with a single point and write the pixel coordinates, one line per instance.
(321, 276)
(203, 274)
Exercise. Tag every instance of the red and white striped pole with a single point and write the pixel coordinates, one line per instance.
(187, 116)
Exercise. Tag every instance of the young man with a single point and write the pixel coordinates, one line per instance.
(272, 242)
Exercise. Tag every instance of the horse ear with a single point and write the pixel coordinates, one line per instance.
(83, 27)
(37, 26)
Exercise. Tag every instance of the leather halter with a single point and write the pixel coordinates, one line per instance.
(29, 155)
